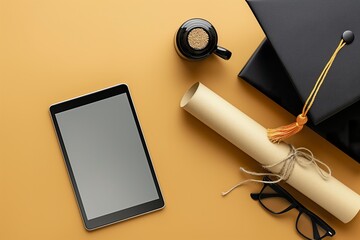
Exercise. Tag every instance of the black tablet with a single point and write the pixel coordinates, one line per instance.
(106, 157)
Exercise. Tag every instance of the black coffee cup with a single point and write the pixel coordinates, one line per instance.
(197, 39)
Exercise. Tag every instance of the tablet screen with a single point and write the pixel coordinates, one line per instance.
(107, 157)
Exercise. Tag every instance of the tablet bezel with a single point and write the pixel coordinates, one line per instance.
(124, 214)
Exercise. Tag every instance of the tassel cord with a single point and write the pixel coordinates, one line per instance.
(279, 134)
(310, 100)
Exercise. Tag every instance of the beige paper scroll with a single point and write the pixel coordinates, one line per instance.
(250, 137)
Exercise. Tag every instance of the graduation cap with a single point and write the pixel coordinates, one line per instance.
(312, 42)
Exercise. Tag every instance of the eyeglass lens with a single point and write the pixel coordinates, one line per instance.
(273, 201)
(308, 227)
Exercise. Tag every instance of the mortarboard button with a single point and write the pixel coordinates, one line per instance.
(348, 36)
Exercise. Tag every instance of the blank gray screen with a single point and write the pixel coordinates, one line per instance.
(106, 155)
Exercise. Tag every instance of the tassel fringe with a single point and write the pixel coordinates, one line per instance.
(279, 134)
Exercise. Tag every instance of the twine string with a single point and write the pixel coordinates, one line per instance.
(302, 156)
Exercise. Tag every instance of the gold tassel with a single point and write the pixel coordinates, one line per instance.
(277, 135)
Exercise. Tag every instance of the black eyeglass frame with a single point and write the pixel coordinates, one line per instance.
(281, 192)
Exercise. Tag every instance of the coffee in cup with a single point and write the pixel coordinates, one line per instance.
(197, 39)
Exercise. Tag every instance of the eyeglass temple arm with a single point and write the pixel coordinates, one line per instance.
(255, 196)
(316, 233)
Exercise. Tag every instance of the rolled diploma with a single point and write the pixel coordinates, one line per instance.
(251, 138)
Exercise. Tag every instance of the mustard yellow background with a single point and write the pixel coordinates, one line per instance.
(52, 50)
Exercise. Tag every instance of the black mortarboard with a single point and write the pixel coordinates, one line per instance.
(266, 73)
(304, 34)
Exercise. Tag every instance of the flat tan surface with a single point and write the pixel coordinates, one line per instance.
(55, 50)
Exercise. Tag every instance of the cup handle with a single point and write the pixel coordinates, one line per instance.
(223, 53)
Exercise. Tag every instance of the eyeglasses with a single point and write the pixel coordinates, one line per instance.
(277, 200)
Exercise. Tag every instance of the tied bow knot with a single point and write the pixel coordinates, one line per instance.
(301, 156)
